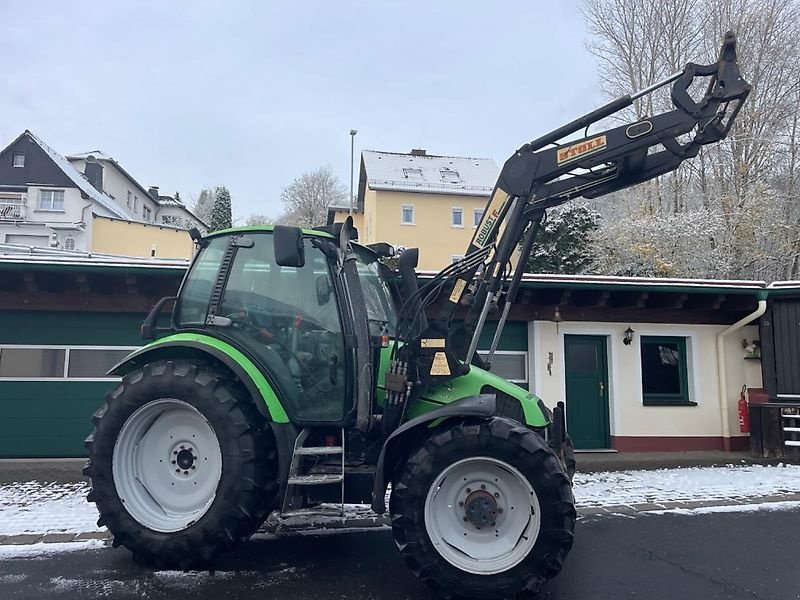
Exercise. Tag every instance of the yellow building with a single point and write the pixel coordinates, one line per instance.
(422, 201)
(134, 238)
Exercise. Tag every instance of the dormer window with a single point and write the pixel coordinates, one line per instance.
(413, 173)
(18, 160)
(450, 176)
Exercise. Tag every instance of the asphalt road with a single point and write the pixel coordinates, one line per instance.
(746, 555)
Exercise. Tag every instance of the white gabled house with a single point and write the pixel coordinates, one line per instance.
(48, 200)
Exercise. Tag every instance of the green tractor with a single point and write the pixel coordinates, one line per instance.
(298, 373)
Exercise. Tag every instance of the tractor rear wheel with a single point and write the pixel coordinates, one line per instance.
(181, 466)
(483, 509)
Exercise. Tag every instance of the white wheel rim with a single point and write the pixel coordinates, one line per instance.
(482, 515)
(167, 464)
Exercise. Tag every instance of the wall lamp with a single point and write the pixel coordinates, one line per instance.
(628, 336)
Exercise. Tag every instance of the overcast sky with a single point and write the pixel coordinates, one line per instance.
(252, 94)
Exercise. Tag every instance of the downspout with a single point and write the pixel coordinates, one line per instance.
(722, 371)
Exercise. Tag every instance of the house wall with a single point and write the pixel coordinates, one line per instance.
(432, 231)
(118, 185)
(633, 425)
(358, 220)
(181, 213)
(126, 238)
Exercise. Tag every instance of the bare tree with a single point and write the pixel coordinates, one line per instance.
(745, 185)
(307, 198)
(256, 219)
(204, 204)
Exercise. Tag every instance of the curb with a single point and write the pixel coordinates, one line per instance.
(379, 522)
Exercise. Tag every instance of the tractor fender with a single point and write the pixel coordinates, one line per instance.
(195, 346)
(481, 406)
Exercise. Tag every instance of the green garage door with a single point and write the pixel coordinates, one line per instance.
(52, 377)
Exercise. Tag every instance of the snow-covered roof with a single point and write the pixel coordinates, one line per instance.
(30, 255)
(79, 180)
(418, 172)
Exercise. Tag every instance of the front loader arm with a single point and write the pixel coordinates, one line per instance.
(548, 172)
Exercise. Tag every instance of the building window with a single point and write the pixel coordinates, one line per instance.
(407, 214)
(51, 199)
(18, 160)
(664, 371)
(136, 204)
(147, 213)
(457, 217)
(510, 365)
(26, 363)
(129, 198)
(477, 215)
(450, 176)
(412, 173)
(69, 243)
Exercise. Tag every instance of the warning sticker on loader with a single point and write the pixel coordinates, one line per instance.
(458, 289)
(440, 366)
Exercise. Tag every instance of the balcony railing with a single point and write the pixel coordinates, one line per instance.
(12, 210)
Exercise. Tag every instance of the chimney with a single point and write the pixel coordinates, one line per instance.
(153, 191)
(94, 172)
(418, 152)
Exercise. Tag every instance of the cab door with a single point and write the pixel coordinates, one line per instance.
(288, 319)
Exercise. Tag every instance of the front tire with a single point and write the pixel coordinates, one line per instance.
(181, 465)
(483, 510)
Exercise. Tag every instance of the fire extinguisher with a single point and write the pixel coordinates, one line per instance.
(744, 414)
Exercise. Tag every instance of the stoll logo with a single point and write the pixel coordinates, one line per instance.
(580, 149)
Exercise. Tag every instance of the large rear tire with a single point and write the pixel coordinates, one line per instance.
(182, 467)
(483, 509)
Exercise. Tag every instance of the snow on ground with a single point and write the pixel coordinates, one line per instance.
(43, 549)
(685, 485)
(35, 507)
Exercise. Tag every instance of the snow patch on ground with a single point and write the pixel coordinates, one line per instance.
(15, 578)
(41, 507)
(734, 508)
(43, 550)
(685, 485)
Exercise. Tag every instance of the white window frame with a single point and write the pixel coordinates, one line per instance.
(52, 193)
(403, 208)
(67, 240)
(454, 210)
(14, 162)
(129, 198)
(475, 213)
(147, 213)
(65, 374)
(136, 204)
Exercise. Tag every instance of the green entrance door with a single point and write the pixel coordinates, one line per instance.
(587, 391)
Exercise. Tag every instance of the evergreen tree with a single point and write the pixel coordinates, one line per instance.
(221, 212)
(563, 244)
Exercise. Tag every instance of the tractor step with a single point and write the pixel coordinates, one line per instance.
(315, 479)
(319, 450)
(313, 512)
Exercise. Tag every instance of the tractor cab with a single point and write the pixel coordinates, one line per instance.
(279, 297)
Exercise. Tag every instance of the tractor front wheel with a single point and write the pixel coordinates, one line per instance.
(483, 509)
(180, 463)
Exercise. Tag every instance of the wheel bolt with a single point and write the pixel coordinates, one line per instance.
(194, 467)
(173, 462)
(177, 470)
(174, 451)
(465, 518)
(183, 447)
(468, 490)
(186, 472)
(497, 494)
(500, 510)
(483, 486)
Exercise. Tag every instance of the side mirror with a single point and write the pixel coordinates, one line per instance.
(288, 245)
(323, 290)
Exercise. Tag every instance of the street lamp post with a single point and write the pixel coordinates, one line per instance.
(353, 133)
